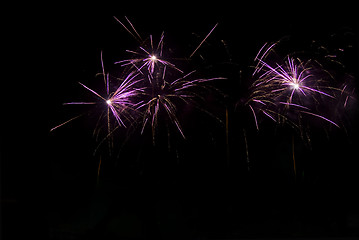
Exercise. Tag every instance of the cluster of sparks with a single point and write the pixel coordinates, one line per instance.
(285, 91)
(152, 87)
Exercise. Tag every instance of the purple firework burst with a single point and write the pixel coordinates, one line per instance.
(149, 59)
(118, 99)
(285, 90)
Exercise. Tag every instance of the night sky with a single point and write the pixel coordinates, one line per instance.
(211, 185)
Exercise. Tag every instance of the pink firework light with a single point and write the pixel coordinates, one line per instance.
(300, 86)
(148, 58)
(163, 91)
(119, 102)
(152, 55)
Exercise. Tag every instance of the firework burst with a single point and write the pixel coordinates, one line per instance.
(153, 89)
(119, 101)
(151, 59)
(167, 88)
(285, 90)
(149, 56)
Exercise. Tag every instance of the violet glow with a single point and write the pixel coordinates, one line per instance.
(149, 59)
(293, 87)
(165, 88)
(119, 102)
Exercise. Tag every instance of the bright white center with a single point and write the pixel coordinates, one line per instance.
(109, 102)
(295, 85)
(153, 58)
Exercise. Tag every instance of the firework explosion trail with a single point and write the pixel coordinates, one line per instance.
(210, 32)
(165, 93)
(166, 89)
(167, 86)
(148, 58)
(145, 57)
(152, 56)
(134, 34)
(119, 103)
(289, 89)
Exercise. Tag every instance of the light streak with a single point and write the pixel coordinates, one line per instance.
(203, 41)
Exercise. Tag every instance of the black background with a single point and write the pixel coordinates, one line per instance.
(49, 182)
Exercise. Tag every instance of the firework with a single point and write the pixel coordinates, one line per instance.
(204, 39)
(165, 93)
(150, 59)
(167, 87)
(153, 89)
(285, 90)
(119, 102)
(148, 56)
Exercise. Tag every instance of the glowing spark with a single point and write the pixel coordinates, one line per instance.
(119, 103)
(295, 86)
(146, 60)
